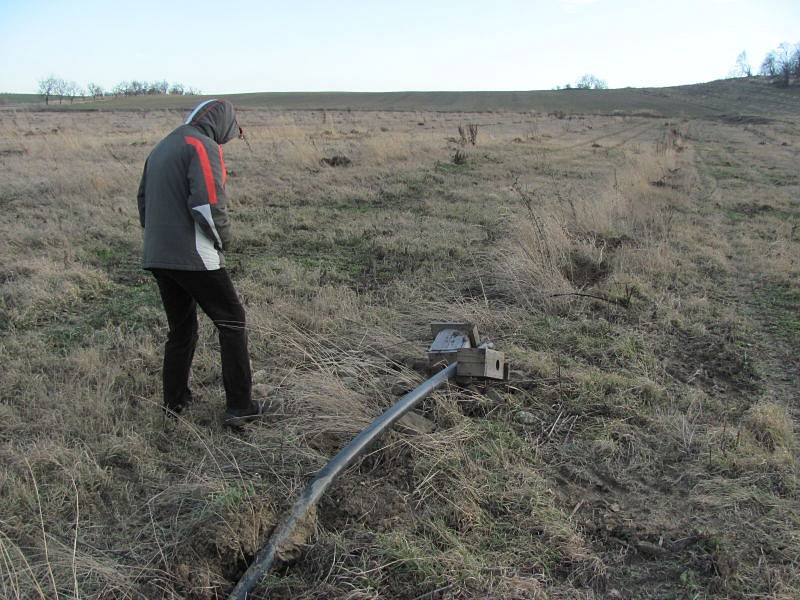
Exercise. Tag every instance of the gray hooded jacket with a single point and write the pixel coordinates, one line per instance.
(182, 202)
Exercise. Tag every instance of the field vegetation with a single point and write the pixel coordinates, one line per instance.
(725, 97)
(640, 272)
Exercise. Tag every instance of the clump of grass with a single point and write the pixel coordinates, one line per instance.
(771, 426)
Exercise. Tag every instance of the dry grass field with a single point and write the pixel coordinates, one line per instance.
(645, 446)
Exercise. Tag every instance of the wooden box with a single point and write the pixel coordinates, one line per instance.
(481, 362)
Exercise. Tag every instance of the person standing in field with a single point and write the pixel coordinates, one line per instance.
(183, 210)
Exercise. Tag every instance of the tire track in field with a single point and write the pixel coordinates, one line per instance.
(595, 139)
(648, 127)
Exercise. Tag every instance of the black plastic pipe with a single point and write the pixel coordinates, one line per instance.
(313, 491)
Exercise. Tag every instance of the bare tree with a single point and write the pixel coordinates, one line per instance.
(796, 61)
(782, 64)
(784, 56)
(72, 90)
(48, 86)
(157, 88)
(590, 82)
(95, 91)
(138, 88)
(769, 66)
(60, 89)
(742, 67)
(176, 89)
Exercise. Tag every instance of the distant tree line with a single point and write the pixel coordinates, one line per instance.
(587, 82)
(152, 88)
(781, 66)
(53, 87)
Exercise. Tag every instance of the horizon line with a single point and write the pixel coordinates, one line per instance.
(440, 91)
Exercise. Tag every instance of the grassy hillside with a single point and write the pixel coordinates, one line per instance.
(725, 97)
(645, 446)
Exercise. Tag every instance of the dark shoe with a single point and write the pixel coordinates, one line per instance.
(173, 409)
(235, 417)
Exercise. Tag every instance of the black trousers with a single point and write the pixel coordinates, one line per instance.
(181, 292)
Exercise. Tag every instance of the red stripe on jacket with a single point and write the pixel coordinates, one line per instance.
(205, 165)
(222, 164)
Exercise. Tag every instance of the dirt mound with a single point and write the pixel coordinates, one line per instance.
(745, 119)
(336, 161)
(585, 271)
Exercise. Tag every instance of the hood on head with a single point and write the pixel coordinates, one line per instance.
(216, 118)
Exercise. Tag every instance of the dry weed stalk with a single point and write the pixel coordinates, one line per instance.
(468, 135)
(473, 133)
(462, 134)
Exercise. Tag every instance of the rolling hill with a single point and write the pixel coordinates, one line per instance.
(725, 97)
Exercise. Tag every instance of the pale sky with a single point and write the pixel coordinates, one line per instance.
(254, 46)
